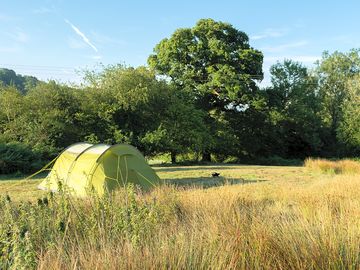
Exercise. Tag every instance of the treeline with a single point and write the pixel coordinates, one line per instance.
(199, 96)
(21, 83)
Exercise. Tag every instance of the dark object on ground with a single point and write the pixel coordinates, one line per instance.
(215, 174)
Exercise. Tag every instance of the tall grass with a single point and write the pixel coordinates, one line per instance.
(254, 226)
(344, 166)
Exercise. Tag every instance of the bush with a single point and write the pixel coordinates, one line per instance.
(268, 161)
(16, 157)
(279, 161)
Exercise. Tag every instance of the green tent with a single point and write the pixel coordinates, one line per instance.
(82, 167)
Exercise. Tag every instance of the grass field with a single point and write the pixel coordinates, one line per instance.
(252, 217)
(180, 176)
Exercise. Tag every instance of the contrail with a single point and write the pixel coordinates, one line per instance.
(82, 35)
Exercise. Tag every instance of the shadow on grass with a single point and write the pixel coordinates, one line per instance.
(175, 168)
(207, 182)
(16, 176)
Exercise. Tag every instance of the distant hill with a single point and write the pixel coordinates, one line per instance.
(22, 82)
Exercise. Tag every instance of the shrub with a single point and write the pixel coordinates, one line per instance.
(268, 161)
(16, 157)
(279, 161)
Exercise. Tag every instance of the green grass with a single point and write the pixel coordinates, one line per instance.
(19, 189)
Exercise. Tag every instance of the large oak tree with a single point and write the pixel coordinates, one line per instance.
(214, 62)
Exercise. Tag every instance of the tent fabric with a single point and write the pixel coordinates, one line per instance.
(85, 167)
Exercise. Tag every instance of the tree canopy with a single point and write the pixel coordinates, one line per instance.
(213, 60)
(215, 64)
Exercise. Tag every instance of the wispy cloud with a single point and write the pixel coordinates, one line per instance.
(82, 35)
(67, 71)
(283, 47)
(104, 39)
(19, 36)
(42, 10)
(12, 49)
(352, 40)
(76, 43)
(96, 57)
(270, 33)
(7, 18)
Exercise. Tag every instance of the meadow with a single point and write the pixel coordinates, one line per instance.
(251, 217)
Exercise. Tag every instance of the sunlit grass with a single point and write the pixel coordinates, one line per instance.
(345, 166)
(292, 219)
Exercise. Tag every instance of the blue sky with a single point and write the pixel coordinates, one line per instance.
(56, 39)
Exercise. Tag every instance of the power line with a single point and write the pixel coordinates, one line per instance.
(51, 72)
(73, 71)
(40, 67)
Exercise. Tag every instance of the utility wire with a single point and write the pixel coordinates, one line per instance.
(39, 67)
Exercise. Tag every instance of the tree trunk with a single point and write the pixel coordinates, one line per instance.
(173, 157)
(206, 156)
